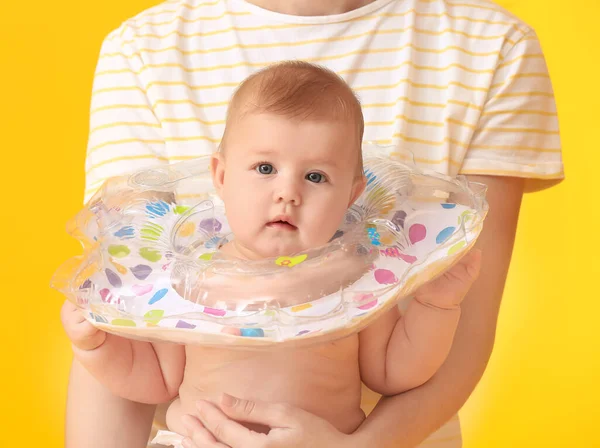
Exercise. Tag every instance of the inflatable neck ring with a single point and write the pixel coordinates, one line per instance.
(152, 269)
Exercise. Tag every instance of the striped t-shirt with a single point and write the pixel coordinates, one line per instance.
(462, 84)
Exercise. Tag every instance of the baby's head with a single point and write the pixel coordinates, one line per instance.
(290, 161)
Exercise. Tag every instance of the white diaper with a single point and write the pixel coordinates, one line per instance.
(168, 438)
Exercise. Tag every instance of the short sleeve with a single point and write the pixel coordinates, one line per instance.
(517, 133)
(125, 134)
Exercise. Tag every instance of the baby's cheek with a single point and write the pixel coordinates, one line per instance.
(322, 232)
(239, 211)
(237, 224)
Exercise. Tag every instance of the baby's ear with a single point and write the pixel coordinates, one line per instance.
(217, 171)
(357, 189)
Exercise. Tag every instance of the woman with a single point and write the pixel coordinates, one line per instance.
(463, 86)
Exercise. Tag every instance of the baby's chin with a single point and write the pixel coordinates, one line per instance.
(252, 252)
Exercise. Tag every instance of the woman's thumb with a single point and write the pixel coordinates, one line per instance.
(273, 415)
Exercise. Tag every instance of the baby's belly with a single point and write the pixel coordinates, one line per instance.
(323, 380)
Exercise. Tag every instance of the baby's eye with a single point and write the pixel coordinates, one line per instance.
(316, 177)
(265, 168)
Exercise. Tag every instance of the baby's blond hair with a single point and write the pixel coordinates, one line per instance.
(300, 91)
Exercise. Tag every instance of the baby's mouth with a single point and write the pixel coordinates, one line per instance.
(281, 224)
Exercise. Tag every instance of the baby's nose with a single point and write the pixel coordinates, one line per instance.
(289, 193)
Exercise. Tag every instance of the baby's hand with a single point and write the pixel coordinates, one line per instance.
(449, 289)
(82, 334)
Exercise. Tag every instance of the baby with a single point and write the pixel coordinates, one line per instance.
(289, 166)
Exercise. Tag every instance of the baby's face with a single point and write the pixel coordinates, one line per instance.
(286, 185)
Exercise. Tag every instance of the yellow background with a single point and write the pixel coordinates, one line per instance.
(541, 388)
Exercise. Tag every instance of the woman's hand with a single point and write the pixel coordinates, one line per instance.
(290, 427)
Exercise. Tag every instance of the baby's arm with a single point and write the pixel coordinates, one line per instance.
(398, 353)
(139, 371)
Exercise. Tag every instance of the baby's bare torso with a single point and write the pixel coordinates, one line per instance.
(323, 380)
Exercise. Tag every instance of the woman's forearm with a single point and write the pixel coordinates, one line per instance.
(96, 418)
